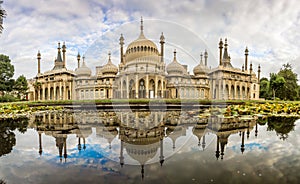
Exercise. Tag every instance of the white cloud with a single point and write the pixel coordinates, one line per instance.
(268, 28)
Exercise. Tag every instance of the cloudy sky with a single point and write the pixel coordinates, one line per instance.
(270, 29)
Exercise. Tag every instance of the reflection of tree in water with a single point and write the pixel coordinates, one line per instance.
(282, 125)
(7, 136)
(2, 182)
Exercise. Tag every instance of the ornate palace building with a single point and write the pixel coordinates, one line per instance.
(143, 73)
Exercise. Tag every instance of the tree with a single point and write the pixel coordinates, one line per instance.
(21, 86)
(6, 74)
(264, 90)
(2, 16)
(290, 89)
(276, 82)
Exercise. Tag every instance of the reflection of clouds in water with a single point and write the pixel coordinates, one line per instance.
(266, 158)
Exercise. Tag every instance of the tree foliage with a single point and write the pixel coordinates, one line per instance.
(289, 91)
(6, 74)
(276, 83)
(2, 16)
(21, 86)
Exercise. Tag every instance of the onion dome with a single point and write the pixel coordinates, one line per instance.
(141, 47)
(109, 68)
(200, 68)
(175, 66)
(83, 70)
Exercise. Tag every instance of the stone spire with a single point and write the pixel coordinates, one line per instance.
(220, 47)
(142, 36)
(205, 57)
(39, 62)
(121, 48)
(78, 60)
(162, 41)
(64, 49)
(58, 58)
(225, 55)
(246, 58)
(258, 73)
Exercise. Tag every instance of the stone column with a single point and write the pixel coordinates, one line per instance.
(54, 91)
(162, 87)
(64, 91)
(48, 95)
(127, 87)
(155, 92)
(136, 86)
(147, 86)
(121, 87)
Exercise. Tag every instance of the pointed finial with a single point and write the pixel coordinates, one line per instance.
(142, 26)
(162, 38)
(225, 42)
(259, 68)
(83, 57)
(109, 56)
(39, 54)
(243, 68)
(78, 56)
(201, 55)
(58, 45)
(174, 53)
(221, 43)
(121, 39)
(246, 51)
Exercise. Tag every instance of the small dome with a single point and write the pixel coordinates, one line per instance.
(200, 68)
(83, 70)
(109, 67)
(175, 66)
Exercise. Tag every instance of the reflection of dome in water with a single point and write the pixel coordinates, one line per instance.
(108, 133)
(175, 132)
(141, 153)
(200, 132)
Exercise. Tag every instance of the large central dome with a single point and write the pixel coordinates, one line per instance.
(141, 48)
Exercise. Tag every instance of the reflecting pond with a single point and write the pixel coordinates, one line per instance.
(148, 146)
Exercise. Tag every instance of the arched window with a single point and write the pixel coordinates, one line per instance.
(254, 87)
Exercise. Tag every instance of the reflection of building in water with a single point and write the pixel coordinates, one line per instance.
(224, 127)
(145, 144)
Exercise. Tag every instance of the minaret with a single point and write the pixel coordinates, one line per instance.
(205, 57)
(64, 49)
(121, 48)
(225, 54)
(39, 62)
(162, 41)
(58, 53)
(220, 47)
(243, 68)
(251, 67)
(243, 145)
(246, 58)
(258, 73)
(78, 60)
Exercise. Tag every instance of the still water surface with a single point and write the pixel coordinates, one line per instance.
(148, 147)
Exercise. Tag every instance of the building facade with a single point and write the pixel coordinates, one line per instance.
(143, 73)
